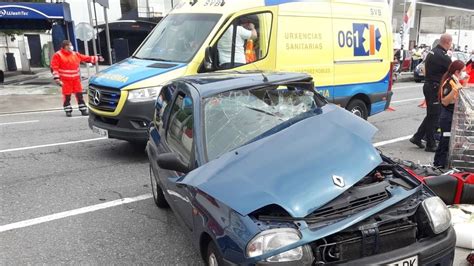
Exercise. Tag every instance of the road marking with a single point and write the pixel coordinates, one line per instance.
(407, 87)
(33, 112)
(386, 142)
(51, 145)
(20, 122)
(407, 100)
(78, 117)
(60, 215)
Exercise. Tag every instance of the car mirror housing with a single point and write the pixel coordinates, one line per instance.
(171, 161)
(208, 62)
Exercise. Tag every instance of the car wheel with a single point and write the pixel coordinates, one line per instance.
(417, 80)
(358, 108)
(158, 195)
(213, 257)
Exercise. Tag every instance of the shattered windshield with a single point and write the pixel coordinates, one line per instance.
(234, 118)
(177, 37)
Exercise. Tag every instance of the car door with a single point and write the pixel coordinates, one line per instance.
(178, 132)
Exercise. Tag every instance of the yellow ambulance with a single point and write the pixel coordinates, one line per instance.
(346, 45)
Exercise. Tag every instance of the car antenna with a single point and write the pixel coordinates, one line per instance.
(265, 79)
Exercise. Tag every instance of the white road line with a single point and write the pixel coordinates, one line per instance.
(51, 145)
(33, 112)
(70, 213)
(78, 117)
(20, 122)
(407, 100)
(407, 87)
(386, 142)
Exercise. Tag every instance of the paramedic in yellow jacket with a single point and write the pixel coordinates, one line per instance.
(448, 93)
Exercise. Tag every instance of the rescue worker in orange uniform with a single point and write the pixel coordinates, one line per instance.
(65, 67)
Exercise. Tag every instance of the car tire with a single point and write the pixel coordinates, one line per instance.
(417, 80)
(213, 257)
(157, 192)
(358, 108)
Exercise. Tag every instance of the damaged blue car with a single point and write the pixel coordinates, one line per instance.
(260, 169)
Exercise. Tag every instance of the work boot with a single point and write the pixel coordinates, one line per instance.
(417, 142)
(431, 148)
(84, 112)
(68, 114)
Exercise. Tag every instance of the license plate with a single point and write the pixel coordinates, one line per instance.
(100, 131)
(411, 261)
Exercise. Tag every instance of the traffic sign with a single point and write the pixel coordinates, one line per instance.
(84, 31)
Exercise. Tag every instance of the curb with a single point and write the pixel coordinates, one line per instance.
(31, 111)
(24, 78)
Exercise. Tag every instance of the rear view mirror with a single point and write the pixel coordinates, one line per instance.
(171, 161)
(208, 62)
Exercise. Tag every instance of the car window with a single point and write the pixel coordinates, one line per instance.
(234, 118)
(162, 106)
(248, 37)
(180, 130)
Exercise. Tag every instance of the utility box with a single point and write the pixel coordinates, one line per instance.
(461, 147)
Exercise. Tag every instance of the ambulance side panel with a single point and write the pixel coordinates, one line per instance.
(305, 43)
(362, 54)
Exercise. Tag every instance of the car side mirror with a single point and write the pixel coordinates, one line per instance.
(208, 62)
(171, 161)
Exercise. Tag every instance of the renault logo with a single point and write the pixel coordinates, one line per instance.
(338, 181)
(96, 98)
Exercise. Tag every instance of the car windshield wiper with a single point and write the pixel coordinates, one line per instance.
(152, 59)
(262, 111)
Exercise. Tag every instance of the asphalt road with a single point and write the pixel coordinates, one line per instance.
(61, 185)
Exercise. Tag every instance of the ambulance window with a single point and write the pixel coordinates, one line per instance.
(245, 41)
(180, 129)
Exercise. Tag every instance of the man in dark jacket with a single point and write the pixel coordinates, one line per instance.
(436, 64)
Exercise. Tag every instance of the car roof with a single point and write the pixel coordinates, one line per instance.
(213, 83)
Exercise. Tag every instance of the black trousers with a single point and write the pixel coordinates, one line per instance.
(433, 109)
(80, 101)
(445, 122)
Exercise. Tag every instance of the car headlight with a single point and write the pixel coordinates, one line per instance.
(273, 239)
(438, 214)
(143, 95)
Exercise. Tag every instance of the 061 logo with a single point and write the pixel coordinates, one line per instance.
(364, 38)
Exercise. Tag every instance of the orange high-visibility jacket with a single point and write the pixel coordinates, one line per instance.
(65, 64)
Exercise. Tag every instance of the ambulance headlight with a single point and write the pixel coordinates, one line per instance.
(145, 94)
(438, 214)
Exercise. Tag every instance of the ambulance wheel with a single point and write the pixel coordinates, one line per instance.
(358, 108)
(158, 195)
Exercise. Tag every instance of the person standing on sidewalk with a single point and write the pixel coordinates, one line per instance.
(436, 64)
(416, 56)
(448, 93)
(65, 68)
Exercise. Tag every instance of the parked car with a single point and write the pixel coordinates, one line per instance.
(261, 169)
(419, 72)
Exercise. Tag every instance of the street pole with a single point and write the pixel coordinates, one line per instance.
(86, 48)
(94, 47)
(99, 50)
(107, 36)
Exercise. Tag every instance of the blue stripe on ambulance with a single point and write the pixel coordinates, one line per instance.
(130, 71)
(347, 91)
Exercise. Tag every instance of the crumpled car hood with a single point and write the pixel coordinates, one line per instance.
(292, 168)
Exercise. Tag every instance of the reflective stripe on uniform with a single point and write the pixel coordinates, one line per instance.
(69, 75)
(447, 134)
(68, 108)
(82, 107)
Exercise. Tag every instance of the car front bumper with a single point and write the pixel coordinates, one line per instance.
(438, 250)
(131, 124)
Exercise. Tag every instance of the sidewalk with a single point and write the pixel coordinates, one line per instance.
(36, 92)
